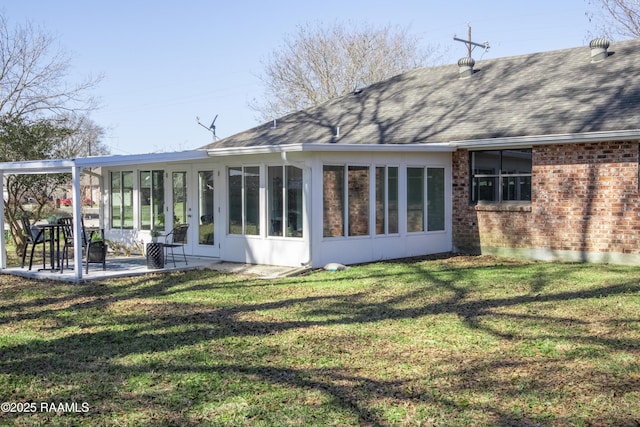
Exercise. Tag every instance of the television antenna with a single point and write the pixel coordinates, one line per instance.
(211, 128)
(470, 44)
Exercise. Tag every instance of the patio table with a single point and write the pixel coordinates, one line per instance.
(54, 244)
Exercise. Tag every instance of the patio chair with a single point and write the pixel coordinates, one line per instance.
(177, 238)
(34, 237)
(66, 225)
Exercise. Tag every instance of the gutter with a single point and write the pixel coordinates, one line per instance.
(567, 138)
(317, 147)
(436, 147)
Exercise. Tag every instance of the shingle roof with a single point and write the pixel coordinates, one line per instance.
(557, 92)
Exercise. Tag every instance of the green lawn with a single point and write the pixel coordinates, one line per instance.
(450, 342)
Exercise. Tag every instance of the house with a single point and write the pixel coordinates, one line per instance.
(534, 155)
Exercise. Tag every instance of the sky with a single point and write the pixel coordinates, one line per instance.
(164, 63)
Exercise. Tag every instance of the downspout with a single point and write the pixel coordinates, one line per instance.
(304, 167)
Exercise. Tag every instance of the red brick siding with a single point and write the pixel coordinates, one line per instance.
(584, 199)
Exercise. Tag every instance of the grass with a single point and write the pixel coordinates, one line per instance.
(461, 341)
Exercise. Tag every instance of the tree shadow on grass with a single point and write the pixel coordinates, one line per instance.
(150, 326)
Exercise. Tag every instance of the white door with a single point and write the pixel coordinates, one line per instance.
(192, 200)
(206, 223)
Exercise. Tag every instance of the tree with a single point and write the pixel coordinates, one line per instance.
(33, 75)
(20, 140)
(616, 18)
(40, 113)
(318, 64)
(84, 138)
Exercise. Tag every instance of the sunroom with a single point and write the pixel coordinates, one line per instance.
(289, 205)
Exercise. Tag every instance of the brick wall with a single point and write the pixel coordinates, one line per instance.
(584, 200)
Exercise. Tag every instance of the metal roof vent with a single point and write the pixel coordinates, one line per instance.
(599, 48)
(465, 67)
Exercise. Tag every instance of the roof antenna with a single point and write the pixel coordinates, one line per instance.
(211, 128)
(470, 44)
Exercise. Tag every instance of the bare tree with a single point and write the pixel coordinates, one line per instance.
(319, 63)
(616, 18)
(33, 72)
(36, 104)
(84, 138)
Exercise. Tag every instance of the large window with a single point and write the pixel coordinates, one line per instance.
(284, 211)
(358, 204)
(427, 216)
(501, 175)
(386, 200)
(346, 200)
(121, 200)
(333, 200)
(435, 199)
(415, 199)
(205, 208)
(152, 200)
(244, 200)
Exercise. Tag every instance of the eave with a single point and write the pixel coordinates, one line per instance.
(529, 141)
(318, 147)
(65, 165)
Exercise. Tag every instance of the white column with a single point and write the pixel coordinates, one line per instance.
(77, 224)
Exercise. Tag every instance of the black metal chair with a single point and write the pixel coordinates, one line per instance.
(34, 237)
(66, 224)
(177, 238)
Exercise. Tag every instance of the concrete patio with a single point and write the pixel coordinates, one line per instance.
(137, 266)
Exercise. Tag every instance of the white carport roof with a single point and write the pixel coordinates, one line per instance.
(66, 165)
(75, 167)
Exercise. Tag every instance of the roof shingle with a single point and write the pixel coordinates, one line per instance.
(558, 92)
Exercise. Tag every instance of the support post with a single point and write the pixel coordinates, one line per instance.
(77, 223)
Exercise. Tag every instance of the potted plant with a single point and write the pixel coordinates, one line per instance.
(155, 235)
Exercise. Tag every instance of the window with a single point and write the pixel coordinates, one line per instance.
(179, 192)
(415, 199)
(333, 201)
(346, 200)
(435, 199)
(284, 212)
(358, 203)
(429, 216)
(244, 200)
(152, 200)
(121, 200)
(205, 208)
(501, 175)
(386, 200)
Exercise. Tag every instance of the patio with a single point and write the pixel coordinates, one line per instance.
(137, 266)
